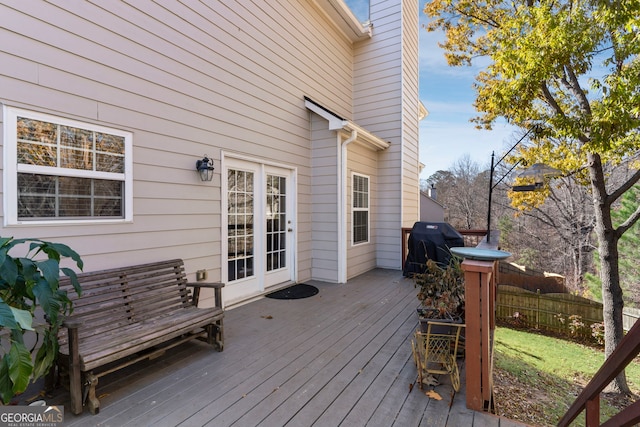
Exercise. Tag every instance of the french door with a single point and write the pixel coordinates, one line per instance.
(258, 206)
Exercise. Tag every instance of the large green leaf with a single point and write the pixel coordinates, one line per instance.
(9, 271)
(23, 317)
(64, 250)
(51, 271)
(46, 355)
(46, 297)
(7, 318)
(6, 386)
(73, 277)
(20, 367)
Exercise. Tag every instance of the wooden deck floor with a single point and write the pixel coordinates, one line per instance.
(341, 357)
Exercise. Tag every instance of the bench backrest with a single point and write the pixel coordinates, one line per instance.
(121, 296)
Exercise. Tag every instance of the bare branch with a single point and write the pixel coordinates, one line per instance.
(624, 187)
(630, 222)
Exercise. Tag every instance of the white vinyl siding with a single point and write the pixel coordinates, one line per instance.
(378, 105)
(363, 162)
(384, 77)
(410, 114)
(324, 216)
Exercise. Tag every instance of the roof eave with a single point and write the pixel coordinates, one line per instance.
(337, 123)
(340, 14)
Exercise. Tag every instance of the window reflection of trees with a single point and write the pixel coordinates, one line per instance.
(41, 143)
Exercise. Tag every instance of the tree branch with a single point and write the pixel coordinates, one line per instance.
(577, 91)
(551, 100)
(630, 222)
(615, 195)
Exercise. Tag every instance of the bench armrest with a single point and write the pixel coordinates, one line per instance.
(217, 287)
(72, 322)
(206, 284)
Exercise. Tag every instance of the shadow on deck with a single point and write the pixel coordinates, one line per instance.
(341, 357)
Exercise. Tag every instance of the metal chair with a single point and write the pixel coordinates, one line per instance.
(435, 352)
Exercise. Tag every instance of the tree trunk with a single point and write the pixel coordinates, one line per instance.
(609, 274)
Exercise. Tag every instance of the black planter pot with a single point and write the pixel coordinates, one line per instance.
(428, 314)
(439, 329)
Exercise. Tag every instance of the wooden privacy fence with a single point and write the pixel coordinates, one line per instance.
(552, 311)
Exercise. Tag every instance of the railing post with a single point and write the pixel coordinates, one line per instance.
(480, 321)
(592, 413)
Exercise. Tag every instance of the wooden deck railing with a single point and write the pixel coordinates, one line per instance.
(480, 297)
(480, 288)
(589, 399)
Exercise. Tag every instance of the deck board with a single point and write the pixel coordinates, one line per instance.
(341, 357)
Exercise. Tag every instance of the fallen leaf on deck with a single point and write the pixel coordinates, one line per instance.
(432, 394)
(267, 317)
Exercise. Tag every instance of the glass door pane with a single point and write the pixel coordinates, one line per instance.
(276, 226)
(240, 215)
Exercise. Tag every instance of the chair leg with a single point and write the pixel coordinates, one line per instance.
(92, 401)
(219, 335)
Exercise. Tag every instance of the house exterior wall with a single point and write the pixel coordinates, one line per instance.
(362, 257)
(430, 210)
(186, 81)
(324, 216)
(215, 78)
(385, 102)
(410, 115)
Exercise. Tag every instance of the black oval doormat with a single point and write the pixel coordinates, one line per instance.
(301, 290)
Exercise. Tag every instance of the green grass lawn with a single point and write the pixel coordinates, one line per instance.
(538, 377)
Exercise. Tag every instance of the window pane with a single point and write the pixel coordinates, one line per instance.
(37, 131)
(360, 226)
(76, 138)
(36, 196)
(76, 159)
(108, 207)
(74, 207)
(44, 196)
(360, 192)
(106, 188)
(108, 198)
(109, 163)
(109, 143)
(37, 142)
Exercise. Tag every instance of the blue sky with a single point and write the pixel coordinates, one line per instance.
(447, 92)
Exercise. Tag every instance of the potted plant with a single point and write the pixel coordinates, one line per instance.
(29, 290)
(441, 292)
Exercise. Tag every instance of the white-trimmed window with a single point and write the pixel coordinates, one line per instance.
(360, 208)
(58, 170)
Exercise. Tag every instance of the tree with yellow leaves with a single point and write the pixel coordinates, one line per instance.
(571, 68)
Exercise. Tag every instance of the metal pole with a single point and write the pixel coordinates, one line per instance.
(493, 154)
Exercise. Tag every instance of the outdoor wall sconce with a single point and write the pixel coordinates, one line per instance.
(205, 168)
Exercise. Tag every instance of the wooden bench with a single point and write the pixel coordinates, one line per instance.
(130, 314)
